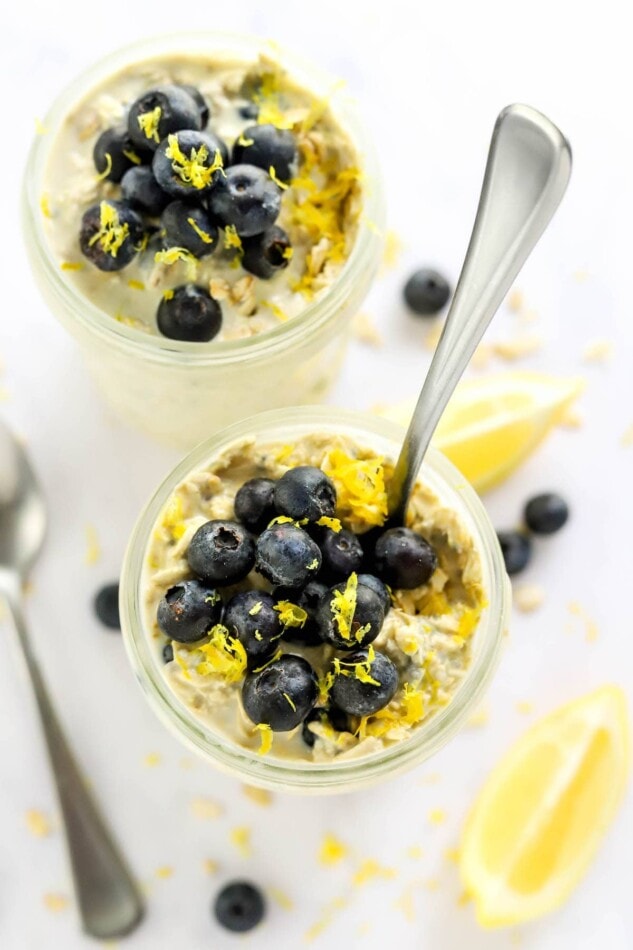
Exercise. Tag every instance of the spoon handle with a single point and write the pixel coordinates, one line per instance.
(528, 168)
(109, 902)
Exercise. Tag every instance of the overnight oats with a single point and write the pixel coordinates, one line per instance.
(288, 619)
(210, 213)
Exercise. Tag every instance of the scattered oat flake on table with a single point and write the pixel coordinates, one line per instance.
(369, 870)
(240, 836)
(210, 867)
(591, 628)
(332, 850)
(38, 823)
(56, 902)
(437, 816)
(433, 335)
(365, 330)
(597, 351)
(93, 550)
(260, 796)
(517, 349)
(528, 597)
(164, 872)
(152, 759)
(206, 808)
(515, 301)
(281, 898)
(627, 437)
(392, 250)
(524, 707)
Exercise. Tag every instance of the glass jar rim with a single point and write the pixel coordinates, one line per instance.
(160, 349)
(331, 776)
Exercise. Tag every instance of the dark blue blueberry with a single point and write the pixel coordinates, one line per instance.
(249, 111)
(546, 514)
(106, 605)
(115, 150)
(426, 292)
(221, 552)
(403, 559)
(326, 716)
(516, 548)
(160, 112)
(358, 698)
(282, 694)
(375, 584)
(251, 617)
(308, 598)
(142, 191)
(254, 505)
(305, 492)
(239, 907)
(267, 147)
(190, 314)
(167, 653)
(368, 615)
(185, 163)
(190, 227)
(200, 101)
(268, 253)
(342, 553)
(188, 611)
(111, 234)
(288, 556)
(245, 198)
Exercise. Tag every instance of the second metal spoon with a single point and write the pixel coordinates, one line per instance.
(528, 168)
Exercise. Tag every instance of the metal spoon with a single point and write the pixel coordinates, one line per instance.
(528, 168)
(109, 902)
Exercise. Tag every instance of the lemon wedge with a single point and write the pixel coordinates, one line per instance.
(545, 808)
(493, 423)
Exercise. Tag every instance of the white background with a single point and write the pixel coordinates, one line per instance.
(430, 79)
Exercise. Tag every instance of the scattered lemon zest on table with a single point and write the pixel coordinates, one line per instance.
(332, 850)
(479, 718)
(56, 902)
(405, 904)
(281, 898)
(38, 823)
(261, 796)
(152, 759)
(590, 627)
(627, 437)
(392, 250)
(432, 884)
(415, 852)
(437, 816)
(164, 872)
(528, 597)
(210, 866)
(597, 351)
(93, 549)
(240, 838)
(365, 330)
(524, 707)
(452, 855)
(369, 870)
(206, 809)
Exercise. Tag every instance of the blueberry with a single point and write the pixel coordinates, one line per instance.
(246, 198)
(546, 514)
(308, 598)
(249, 111)
(282, 694)
(221, 552)
(342, 553)
(516, 548)
(167, 653)
(353, 694)
(190, 227)
(403, 558)
(188, 611)
(426, 292)
(251, 617)
(305, 492)
(187, 164)
(239, 906)
(106, 604)
(111, 234)
(159, 112)
(115, 150)
(190, 314)
(142, 191)
(326, 716)
(341, 619)
(203, 106)
(375, 584)
(287, 555)
(268, 253)
(254, 504)
(267, 147)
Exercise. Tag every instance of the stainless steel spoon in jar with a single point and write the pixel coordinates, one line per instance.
(528, 169)
(109, 902)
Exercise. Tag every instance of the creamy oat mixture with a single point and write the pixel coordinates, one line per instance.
(427, 634)
(320, 208)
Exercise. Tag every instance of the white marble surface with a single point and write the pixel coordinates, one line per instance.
(430, 80)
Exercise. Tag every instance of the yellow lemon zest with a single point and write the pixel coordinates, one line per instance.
(291, 615)
(273, 659)
(281, 315)
(266, 737)
(255, 609)
(273, 174)
(40, 128)
(332, 523)
(232, 238)
(360, 486)
(287, 253)
(258, 636)
(332, 850)
(168, 294)
(369, 870)
(289, 701)
(106, 171)
(132, 156)
(242, 140)
(111, 233)
(281, 519)
(203, 235)
(360, 671)
(71, 265)
(223, 655)
(180, 660)
(343, 606)
(313, 565)
(413, 702)
(324, 685)
(136, 284)
(148, 123)
(174, 254)
(45, 207)
(173, 519)
(194, 170)
(284, 454)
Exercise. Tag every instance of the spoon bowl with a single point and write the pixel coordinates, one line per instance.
(22, 508)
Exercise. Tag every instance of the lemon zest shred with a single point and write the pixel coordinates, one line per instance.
(111, 234)
(281, 315)
(313, 565)
(289, 701)
(370, 869)
(203, 235)
(258, 636)
(343, 606)
(174, 254)
(232, 238)
(291, 615)
(281, 519)
(284, 454)
(332, 850)
(136, 284)
(255, 609)
(273, 659)
(40, 128)
(242, 140)
(148, 123)
(332, 523)
(280, 184)
(266, 738)
(71, 265)
(287, 253)
(131, 155)
(45, 206)
(360, 486)
(180, 660)
(194, 170)
(104, 174)
(173, 519)
(223, 655)
(168, 294)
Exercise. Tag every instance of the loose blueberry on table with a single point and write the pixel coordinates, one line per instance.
(239, 906)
